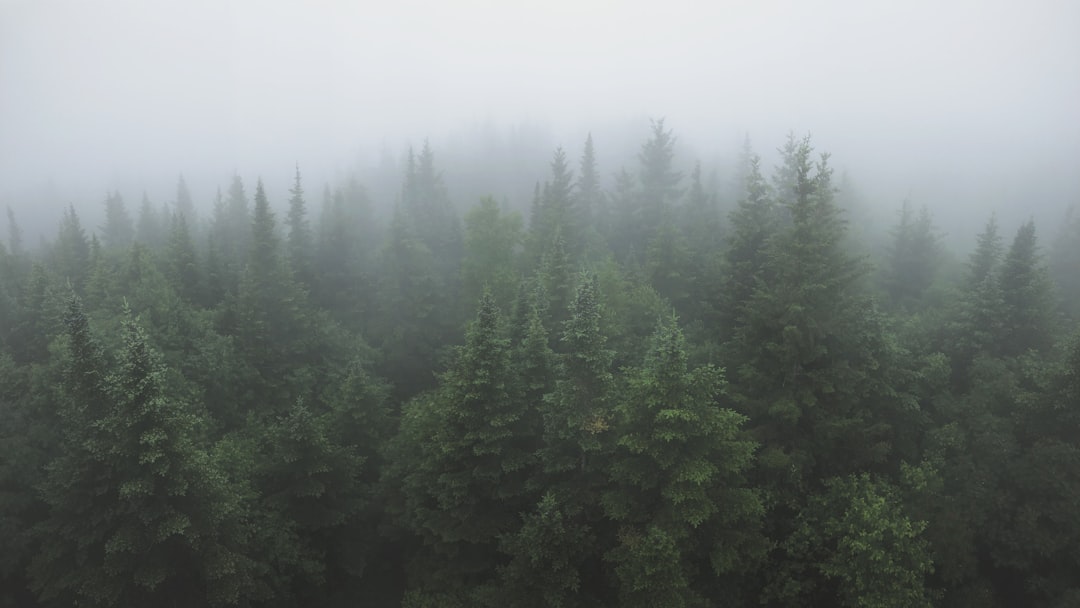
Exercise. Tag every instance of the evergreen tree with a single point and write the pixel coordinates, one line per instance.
(754, 223)
(554, 210)
(184, 205)
(299, 243)
(659, 180)
(976, 323)
(150, 229)
(469, 483)
(118, 230)
(577, 414)
(1027, 304)
(855, 546)
(272, 330)
(137, 514)
(676, 482)
(71, 251)
(589, 196)
(183, 264)
(15, 235)
(913, 258)
(1064, 259)
(808, 349)
(413, 316)
(492, 239)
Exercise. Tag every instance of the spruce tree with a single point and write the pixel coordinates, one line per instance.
(138, 515)
(184, 205)
(118, 231)
(676, 482)
(299, 241)
(1027, 304)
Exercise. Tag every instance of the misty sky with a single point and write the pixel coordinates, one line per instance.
(917, 96)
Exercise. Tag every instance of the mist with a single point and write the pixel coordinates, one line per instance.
(967, 107)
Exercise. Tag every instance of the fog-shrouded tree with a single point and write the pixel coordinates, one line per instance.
(677, 484)
(554, 211)
(1063, 259)
(137, 513)
(492, 239)
(15, 234)
(71, 251)
(1027, 320)
(300, 246)
(914, 256)
(119, 230)
(185, 205)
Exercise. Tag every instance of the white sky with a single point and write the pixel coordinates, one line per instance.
(92, 92)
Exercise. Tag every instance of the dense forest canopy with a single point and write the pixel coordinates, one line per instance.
(543, 303)
(648, 390)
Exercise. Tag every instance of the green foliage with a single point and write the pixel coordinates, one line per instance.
(1027, 305)
(135, 509)
(676, 480)
(854, 546)
(913, 257)
(492, 239)
(242, 445)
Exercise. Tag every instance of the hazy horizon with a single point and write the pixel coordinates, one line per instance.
(961, 106)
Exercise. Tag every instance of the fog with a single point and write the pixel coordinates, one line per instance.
(968, 107)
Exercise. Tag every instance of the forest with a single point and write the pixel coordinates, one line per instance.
(634, 390)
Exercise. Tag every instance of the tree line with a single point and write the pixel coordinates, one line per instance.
(639, 395)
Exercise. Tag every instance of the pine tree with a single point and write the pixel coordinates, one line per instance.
(137, 514)
(492, 238)
(1063, 260)
(1027, 304)
(299, 243)
(577, 414)
(554, 212)
(659, 180)
(589, 196)
(412, 310)
(71, 251)
(976, 322)
(469, 482)
(913, 258)
(754, 223)
(271, 327)
(184, 205)
(855, 546)
(807, 347)
(183, 264)
(118, 231)
(151, 228)
(15, 235)
(676, 481)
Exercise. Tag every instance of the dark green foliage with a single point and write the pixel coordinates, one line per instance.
(300, 250)
(578, 413)
(676, 484)
(183, 268)
(854, 546)
(786, 443)
(1027, 304)
(467, 461)
(71, 251)
(554, 211)
(754, 223)
(136, 512)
